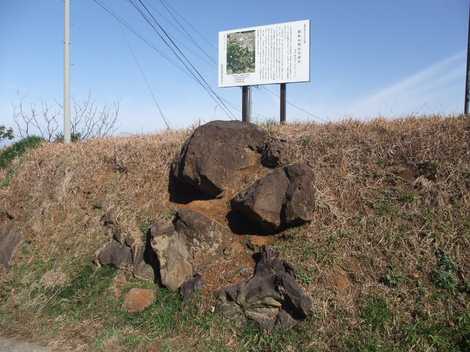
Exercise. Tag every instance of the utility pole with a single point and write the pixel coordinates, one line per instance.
(467, 81)
(67, 122)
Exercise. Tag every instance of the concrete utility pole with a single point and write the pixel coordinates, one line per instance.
(67, 122)
(467, 81)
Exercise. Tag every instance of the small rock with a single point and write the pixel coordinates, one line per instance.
(191, 286)
(173, 256)
(115, 254)
(271, 297)
(138, 299)
(10, 241)
(227, 252)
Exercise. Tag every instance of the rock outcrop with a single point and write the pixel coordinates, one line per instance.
(185, 246)
(217, 157)
(272, 298)
(283, 198)
(221, 159)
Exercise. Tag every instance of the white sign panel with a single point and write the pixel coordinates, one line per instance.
(278, 53)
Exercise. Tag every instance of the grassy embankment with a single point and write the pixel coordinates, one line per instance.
(386, 260)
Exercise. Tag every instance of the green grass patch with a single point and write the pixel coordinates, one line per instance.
(375, 312)
(253, 339)
(445, 274)
(85, 295)
(18, 149)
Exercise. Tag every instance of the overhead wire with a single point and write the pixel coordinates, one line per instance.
(295, 106)
(194, 28)
(147, 82)
(173, 22)
(188, 34)
(175, 14)
(133, 31)
(148, 16)
(177, 64)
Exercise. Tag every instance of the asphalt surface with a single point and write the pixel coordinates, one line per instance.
(13, 345)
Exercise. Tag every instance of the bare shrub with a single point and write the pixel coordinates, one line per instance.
(89, 120)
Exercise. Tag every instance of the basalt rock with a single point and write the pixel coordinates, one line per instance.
(283, 198)
(275, 153)
(10, 241)
(115, 254)
(126, 250)
(272, 298)
(191, 286)
(173, 256)
(202, 233)
(216, 157)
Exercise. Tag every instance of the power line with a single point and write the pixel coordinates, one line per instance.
(179, 54)
(173, 23)
(182, 68)
(172, 14)
(202, 36)
(149, 87)
(295, 105)
(132, 30)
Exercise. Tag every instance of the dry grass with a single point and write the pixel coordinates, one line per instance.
(393, 208)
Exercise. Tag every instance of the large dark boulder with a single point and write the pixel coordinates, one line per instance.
(283, 198)
(218, 156)
(272, 298)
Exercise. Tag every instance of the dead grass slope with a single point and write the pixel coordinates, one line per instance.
(386, 260)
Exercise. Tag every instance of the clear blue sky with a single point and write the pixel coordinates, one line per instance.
(369, 57)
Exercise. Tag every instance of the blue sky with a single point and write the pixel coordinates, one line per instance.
(368, 58)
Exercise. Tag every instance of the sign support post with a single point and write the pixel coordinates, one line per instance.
(283, 103)
(467, 81)
(246, 104)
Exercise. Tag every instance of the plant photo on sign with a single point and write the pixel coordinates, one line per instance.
(241, 49)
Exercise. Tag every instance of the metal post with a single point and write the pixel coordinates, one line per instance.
(67, 122)
(283, 103)
(467, 81)
(246, 103)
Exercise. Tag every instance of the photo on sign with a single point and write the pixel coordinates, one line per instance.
(241, 50)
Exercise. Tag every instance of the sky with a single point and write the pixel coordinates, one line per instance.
(368, 58)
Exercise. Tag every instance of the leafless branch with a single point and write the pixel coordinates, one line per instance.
(88, 119)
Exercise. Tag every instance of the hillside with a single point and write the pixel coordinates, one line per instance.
(386, 259)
